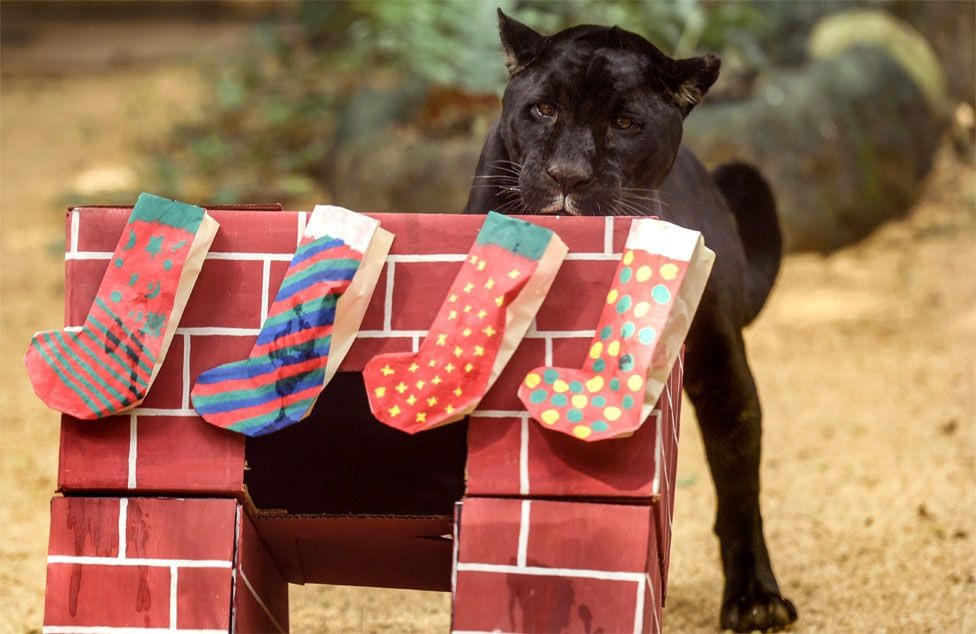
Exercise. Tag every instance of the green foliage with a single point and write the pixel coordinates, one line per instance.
(335, 73)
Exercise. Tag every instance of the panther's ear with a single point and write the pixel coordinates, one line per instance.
(521, 43)
(691, 78)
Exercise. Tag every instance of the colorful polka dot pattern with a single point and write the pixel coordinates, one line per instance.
(450, 373)
(604, 399)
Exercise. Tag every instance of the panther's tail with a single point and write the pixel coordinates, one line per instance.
(751, 201)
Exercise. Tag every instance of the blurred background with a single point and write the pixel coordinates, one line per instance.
(860, 112)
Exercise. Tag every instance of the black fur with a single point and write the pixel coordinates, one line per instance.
(591, 125)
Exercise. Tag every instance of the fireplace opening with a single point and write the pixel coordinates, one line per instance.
(341, 461)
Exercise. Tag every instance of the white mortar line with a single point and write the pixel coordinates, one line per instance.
(123, 515)
(455, 546)
(434, 257)
(302, 219)
(75, 221)
(578, 573)
(73, 328)
(265, 282)
(385, 334)
(523, 538)
(204, 331)
(251, 257)
(593, 256)
(639, 608)
(547, 360)
(264, 607)
(88, 255)
(498, 413)
(173, 580)
(185, 401)
(608, 235)
(133, 450)
(415, 343)
(142, 561)
(237, 561)
(658, 453)
(102, 629)
(656, 629)
(153, 411)
(388, 297)
(561, 334)
(524, 455)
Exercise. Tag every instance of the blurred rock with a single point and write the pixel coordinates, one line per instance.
(842, 31)
(406, 175)
(844, 141)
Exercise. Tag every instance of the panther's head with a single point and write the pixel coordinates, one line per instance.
(592, 118)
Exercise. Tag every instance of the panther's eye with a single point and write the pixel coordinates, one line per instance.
(623, 123)
(545, 109)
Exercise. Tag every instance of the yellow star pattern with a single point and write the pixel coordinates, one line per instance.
(514, 273)
(432, 401)
(411, 399)
(380, 392)
(395, 410)
(482, 313)
(479, 351)
(489, 283)
(442, 339)
(466, 332)
(386, 370)
(489, 331)
(482, 264)
(452, 314)
(413, 367)
(468, 287)
(401, 387)
(421, 417)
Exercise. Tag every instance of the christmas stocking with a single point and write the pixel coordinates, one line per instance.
(309, 329)
(490, 305)
(110, 364)
(652, 299)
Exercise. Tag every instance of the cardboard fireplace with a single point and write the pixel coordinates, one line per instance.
(170, 523)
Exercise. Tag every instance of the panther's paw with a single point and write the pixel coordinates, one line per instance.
(759, 610)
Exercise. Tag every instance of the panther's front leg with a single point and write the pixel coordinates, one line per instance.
(720, 384)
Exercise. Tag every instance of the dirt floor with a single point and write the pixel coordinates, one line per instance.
(865, 362)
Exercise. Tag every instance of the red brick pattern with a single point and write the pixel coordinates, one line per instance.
(572, 566)
(123, 563)
(174, 565)
(509, 454)
(261, 595)
(231, 298)
(140, 563)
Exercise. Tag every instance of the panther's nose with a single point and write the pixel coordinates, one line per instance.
(569, 175)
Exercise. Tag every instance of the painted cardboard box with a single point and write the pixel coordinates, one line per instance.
(341, 498)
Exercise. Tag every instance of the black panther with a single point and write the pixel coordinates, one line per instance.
(591, 124)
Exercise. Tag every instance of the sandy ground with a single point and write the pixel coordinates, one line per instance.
(865, 362)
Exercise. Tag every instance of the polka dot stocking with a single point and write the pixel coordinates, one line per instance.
(612, 394)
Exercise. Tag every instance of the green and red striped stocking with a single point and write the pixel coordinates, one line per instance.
(310, 327)
(492, 300)
(109, 365)
(648, 310)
